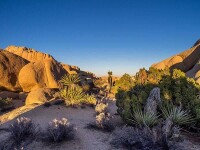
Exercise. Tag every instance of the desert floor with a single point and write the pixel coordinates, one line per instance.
(85, 139)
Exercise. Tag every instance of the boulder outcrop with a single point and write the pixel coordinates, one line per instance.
(187, 61)
(41, 74)
(10, 66)
(28, 53)
(39, 96)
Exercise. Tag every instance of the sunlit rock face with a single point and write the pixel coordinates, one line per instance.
(25, 69)
(28, 53)
(187, 61)
(41, 74)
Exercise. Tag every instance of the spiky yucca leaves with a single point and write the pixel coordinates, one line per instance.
(73, 96)
(90, 99)
(177, 114)
(142, 118)
(70, 80)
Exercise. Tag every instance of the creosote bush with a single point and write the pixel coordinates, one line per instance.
(22, 129)
(59, 130)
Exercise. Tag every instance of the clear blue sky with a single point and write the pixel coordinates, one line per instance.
(102, 35)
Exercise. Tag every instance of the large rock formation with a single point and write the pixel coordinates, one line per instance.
(10, 65)
(28, 53)
(41, 74)
(187, 61)
(25, 69)
(39, 96)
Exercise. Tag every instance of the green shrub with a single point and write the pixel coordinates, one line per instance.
(142, 118)
(174, 86)
(73, 96)
(70, 80)
(176, 114)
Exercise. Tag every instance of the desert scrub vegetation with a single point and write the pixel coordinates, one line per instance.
(73, 94)
(101, 108)
(103, 119)
(58, 131)
(70, 80)
(22, 129)
(175, 88)
(5, 103)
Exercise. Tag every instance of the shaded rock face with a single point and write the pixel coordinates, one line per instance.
(28, 53)
(41, 74)
(39, 96)
(10, 65)
(187, 61)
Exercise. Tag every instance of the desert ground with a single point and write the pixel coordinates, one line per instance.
(86, 139)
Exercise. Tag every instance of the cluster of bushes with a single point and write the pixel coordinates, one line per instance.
(156, 124)
(23, 131)
(175, 89)
(73, 93)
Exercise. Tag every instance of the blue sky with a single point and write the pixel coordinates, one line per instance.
(102, 35)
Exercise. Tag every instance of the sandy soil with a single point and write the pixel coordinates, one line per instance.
(85, 139)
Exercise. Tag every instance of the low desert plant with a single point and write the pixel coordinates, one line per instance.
(70, 80)
(59, 130)
(176, 114)
(137, 138)
(73, 96)
(103, 122)
(90, 99)
(22, 129)
(4, 102)
(143, 118)
(101, 108)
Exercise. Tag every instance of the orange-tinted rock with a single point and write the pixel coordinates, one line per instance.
(10, 66)
(40, 75)
(28, 53)
(39, 96)
(183, 61)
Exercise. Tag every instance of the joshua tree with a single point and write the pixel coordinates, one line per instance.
(110, 80)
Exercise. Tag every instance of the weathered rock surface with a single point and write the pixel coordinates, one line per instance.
(41, 74)
(39, 96)
(69, 69)
(29, 53)
(10, 65)
(187, 61)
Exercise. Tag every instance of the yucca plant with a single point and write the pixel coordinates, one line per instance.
(142, 118)
(177, 114)
(70, 80)
(73, 96)
(90, 99)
